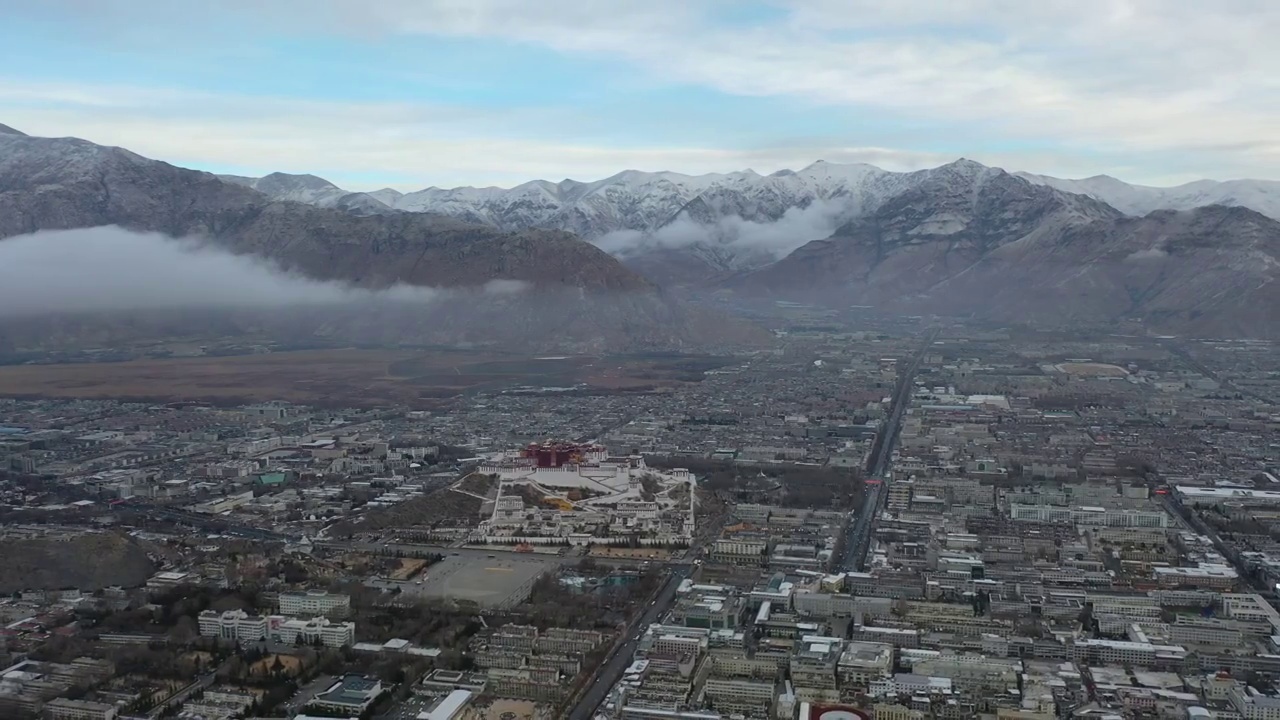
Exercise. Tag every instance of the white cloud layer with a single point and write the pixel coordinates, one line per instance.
(107, 268)
(732, 234)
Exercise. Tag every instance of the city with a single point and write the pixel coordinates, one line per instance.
(639, 360)
(918, 518)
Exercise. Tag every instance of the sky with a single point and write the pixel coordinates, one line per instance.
(416, 93)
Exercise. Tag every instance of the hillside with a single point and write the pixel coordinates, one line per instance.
(87, 561)
(681, 230)
(988, 244)
(593, 300)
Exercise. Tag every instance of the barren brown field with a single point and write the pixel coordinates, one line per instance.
(290, 665)
(340, 377)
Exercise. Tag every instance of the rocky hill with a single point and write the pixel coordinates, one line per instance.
(59, 183)
(88, 561)
(978, 241)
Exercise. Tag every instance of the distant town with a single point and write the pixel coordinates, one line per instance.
(893, 519)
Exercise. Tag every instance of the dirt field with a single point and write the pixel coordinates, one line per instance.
(1093, 369)
(408, 568)
(504, 709)
(292, 665)
(349, 377)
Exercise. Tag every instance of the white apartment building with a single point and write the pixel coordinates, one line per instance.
(291, 631)
(312, 603)
(1250, 608)
(829, 605)
(1219, 577)
(813, 668)
(862, 663)
(1206, 631)
(568, 641)
(242, 627)
(1252, 705)
(63, 709)
(1119, 652)
(910, 684)
(751, 698)
(677, 646)
(236, 625)
(1113, 517)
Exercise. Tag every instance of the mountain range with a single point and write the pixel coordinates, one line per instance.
(589, 299)
(977, 241)
(686, 229)
(960, 239)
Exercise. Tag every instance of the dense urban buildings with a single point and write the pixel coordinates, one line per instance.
(914, 520)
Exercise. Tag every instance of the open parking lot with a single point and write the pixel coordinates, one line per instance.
(496, 581)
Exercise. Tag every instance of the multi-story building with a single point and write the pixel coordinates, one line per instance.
(813, 669)
(1252, 705)
(242, 627)
(732, 662)
(738, 551)
(311, 603)
(1206, 631)
(707, 610)
(514, 638)
(740, 696)
(862, 663)
(1219, 577)
(236, 625)
(1120, 652)
(291, 631)
(538, 684)
(568, 641)
(353, 694)
(63, 709)
(1105, 517)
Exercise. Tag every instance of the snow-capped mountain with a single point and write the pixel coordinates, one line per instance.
(980, 242)
(647, 202)
(679, 229)
(308, 189)
(1260, 195)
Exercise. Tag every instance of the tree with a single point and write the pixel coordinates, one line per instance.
(184, 631)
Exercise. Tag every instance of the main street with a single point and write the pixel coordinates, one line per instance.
(611, 670)
(471, 553)
(858, 535)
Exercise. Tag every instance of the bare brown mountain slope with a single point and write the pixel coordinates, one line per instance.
(61, 183)
(991, 245)
(589, 297)
(88, 561)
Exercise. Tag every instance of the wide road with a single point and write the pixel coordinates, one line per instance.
(611, 670)
(858, 535)
(410, 549)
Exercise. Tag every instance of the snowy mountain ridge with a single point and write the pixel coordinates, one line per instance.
(728, 222)
(1260, 195)
(647, 201)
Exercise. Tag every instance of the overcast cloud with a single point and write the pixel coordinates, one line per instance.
(1153, 91)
